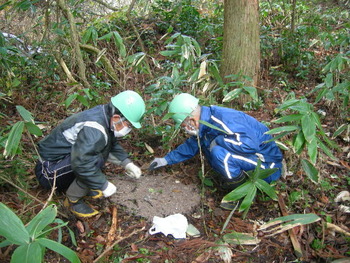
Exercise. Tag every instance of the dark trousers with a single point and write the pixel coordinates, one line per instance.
(46, 171)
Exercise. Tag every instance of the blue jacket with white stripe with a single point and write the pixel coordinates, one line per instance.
(239, 133)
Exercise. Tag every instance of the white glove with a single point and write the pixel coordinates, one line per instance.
(110, 189)
(133, 171)
(157, 163)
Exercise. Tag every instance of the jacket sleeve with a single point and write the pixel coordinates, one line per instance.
(118, 155)
(184, 151)
(87, 159)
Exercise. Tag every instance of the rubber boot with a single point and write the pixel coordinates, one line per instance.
(80, 208)
(75, 193)
(95, 194)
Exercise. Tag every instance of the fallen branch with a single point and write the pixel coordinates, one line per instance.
(337, 229)
(116, 242)
(114, 225)
(293, 238)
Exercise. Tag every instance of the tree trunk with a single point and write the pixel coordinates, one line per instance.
(241, 45)
(75, 42)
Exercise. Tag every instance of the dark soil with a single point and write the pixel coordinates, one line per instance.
(155, 195)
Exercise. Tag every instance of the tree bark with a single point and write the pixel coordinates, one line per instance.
(241, 44)
(75, 42)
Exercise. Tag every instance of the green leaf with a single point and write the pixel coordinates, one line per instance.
(285, 223)
(70, 99)
(288, 103)
(282, 129)
(212, 126)
(238, 238)
(277, 137)
(310, 170)
(86, 35)
(248, 199)
(340, 130)
(119, 43)
(232, 94)
(5, 243)
(168, 53)
(13, 139)
(326, 150)
(60, 249)
(239, 192)
(33, 129)
(299, 142)
(41, 220)
(252, 92)
(26, 115)
(107, 37)
(289, 118)
(11, 227)
(266, 188)
(264, 173)
(83, 100)
(308, 127)
(28, 253)
(317, 120)
(312, 150)
(329, 80)
(321, 94)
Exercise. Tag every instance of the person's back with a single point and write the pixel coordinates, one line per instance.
(60, 140)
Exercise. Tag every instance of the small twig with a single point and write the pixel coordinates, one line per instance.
(296, 245)
(202, 186)
(52, 190)
(116, 242)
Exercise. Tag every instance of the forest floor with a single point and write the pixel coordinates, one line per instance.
(119, 233)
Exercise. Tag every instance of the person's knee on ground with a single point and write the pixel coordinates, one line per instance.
(46, 178)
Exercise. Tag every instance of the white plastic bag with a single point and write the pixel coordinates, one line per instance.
(175, 225)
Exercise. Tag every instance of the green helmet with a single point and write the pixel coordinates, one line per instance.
(131, 105)
(182, 106)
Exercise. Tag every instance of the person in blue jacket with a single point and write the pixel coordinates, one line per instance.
(232, 149)
(72, 156)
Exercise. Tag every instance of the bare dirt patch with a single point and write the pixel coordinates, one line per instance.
(155, 195)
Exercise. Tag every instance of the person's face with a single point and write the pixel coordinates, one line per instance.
(120, 126)
(190, 125)
(119, 123)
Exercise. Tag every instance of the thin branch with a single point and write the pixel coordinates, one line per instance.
(104, 60)
(116, 242)
(106, 5)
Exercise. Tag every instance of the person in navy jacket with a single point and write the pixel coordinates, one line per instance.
(232, 149)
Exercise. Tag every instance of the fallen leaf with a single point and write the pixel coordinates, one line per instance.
(134, 247)
(80, 226)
